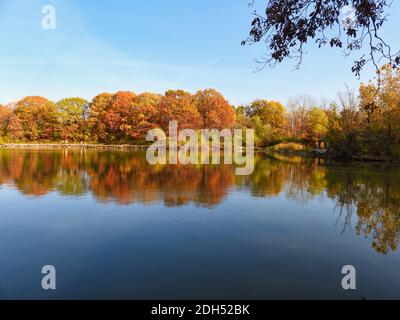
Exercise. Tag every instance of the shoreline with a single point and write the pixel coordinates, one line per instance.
(72, 146)
(93, 146)
(133, 147)
(316, 154)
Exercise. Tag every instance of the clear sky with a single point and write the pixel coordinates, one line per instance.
(155, 45)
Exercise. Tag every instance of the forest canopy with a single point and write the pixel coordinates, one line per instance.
(354, 125)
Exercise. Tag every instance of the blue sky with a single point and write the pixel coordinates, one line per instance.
(155, 45)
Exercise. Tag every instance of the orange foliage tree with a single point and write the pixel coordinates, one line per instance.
(35, 118)
(5, 114)
(143, 116)
(97, 116)
(117, 118)
(178, 105)
(214, 109)
(123, 116)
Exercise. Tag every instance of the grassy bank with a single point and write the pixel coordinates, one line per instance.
(298, 149)
(291, 148)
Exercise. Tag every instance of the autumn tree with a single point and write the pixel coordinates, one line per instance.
(380, 102)
(345, 125)
(286, 27)
(143, 115)
(271, 113)
(97, 120)
(263, 132)
(214, 109)
(73, 114)
(178, 105)
(118, 116)
(317, 125)
(242, 118)
(5, 114)
(389, 105)
(298, 113)
(37, 117)
(15, 128)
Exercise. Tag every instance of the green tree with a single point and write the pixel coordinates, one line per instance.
(270, 113)
(317, 125)
(263, 132)
(73, 114)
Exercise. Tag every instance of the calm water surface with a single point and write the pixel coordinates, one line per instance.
(115, 227)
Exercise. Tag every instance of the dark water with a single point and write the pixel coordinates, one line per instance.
(115, 227)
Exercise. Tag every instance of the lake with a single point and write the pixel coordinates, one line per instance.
(115, 227)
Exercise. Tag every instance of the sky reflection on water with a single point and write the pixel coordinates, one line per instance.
(116, 227)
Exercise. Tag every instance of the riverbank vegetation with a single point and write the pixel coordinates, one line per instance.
(362, 125)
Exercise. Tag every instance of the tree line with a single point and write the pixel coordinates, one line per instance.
(363, 124)
(112, 118)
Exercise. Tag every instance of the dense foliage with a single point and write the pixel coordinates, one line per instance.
(122, 117)
(361, 125)
(364, 124)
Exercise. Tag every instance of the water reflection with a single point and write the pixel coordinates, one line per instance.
(121, 177)
(367, 195)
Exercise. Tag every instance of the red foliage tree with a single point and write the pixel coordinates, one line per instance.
(118, 114)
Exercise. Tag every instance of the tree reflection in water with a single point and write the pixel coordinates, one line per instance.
(366, 195)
